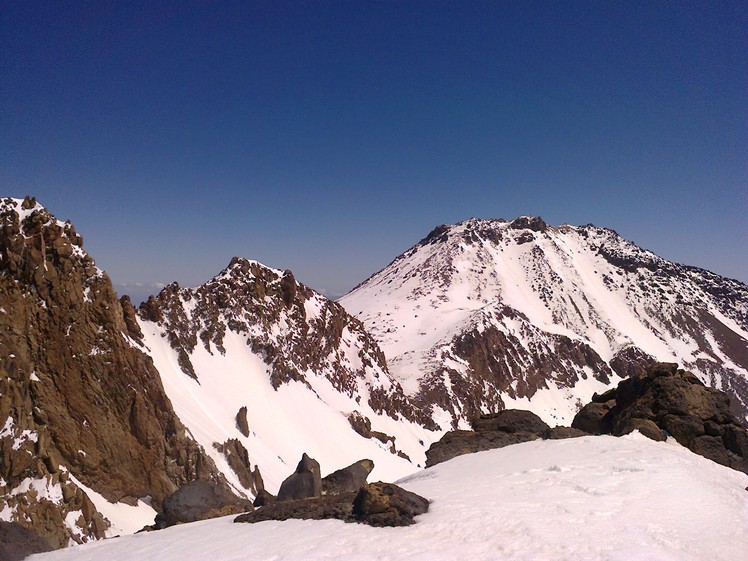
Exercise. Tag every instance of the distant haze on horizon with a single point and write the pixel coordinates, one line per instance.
(328, 137)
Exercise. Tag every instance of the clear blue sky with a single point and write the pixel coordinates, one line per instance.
(328, 137)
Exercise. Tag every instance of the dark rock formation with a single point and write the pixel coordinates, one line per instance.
(668, 400)
(200, 500)
(241, 421)
(376, 504)
(348, 479)
(75, 391)
(238, 459)
(494, 430)
(510, 420)
(17, 542)
(385, 504)
(263, 498)
(559, 433)
(459, 442)
(304, 483)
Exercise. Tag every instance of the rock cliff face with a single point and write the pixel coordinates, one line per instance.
(79, 401)
(255, 355)
(487, 314)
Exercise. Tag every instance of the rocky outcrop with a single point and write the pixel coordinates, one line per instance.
(668, 401)
(376, 504)
(18, 542)
(292, 328)
(77, 394)
(241, 421)
(199, 500)
(304, 483)
(495, 430)
(238, 459)
(348, 479)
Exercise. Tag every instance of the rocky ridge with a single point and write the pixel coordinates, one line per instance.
(487, 314)
(79, 401)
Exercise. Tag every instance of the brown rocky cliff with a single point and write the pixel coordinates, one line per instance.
(74, 388)
(292, 327)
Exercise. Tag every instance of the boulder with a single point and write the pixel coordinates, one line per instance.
(646, 427)
(459, 442)
(263, 498)
(17, 542)
(200, 500)
(241, 421)
(385, 504)
(376, 504)
(558, 433)
(349, 479)
(665, 399)
(511, 420)
(304, 483)
(592, 418)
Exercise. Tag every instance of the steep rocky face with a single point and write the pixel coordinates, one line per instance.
(256, 356)
(294, 329)
(487, 314)
(77, 396)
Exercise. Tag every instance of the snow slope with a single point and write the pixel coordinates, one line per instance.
(532, 294)
(284, 423)
(593, 498)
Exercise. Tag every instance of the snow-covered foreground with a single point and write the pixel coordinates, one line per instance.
(592, 498)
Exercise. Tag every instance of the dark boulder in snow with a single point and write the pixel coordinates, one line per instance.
(559, 433)
(510, 420)
(385, 504)
(348, 479)
(666, 399)
(459, 442)
(375, 504)
(304, 483)
(18, 542)
(241, 421)
(264, 498)
(199, 500)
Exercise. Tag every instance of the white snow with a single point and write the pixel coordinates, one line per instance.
(283, 423)
(558, 280)
(124, 518)
(593, 498)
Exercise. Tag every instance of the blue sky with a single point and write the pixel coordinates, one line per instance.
(328, 137)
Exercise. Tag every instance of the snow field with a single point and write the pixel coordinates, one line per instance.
(594, 498)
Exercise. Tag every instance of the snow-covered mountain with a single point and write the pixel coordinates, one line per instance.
(302, 374)
(492, 313)
(597, 497)
(105, 411)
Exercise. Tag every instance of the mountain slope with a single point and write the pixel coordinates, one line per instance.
(490, 313)
(84, 418)
(585, 498)
(304, 376)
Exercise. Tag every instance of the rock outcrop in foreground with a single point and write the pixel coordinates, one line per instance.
(375, 504)
(667, 400)
(662, 401)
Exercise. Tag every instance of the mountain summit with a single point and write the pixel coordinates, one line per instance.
(491, 313)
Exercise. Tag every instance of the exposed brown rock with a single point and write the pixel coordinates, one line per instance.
(459, 442)
(348, 479)
(376, 504)
(75, 390)
(269, 307)
(200, 500)
(241, 421)
(304, 483)
(667, 400)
